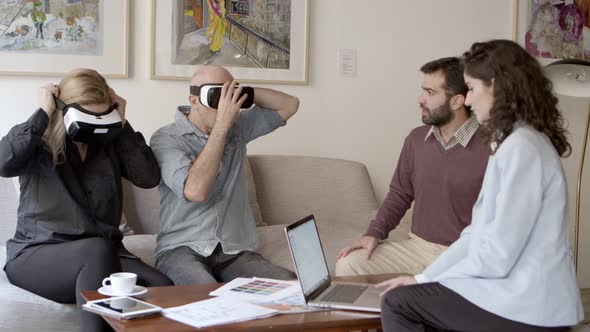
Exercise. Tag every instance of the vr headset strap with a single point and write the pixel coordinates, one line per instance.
(195, 90)
(60, 104)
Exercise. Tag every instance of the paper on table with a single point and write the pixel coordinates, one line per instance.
(291, 304)
(256, 290)
(219, 310)
(281, 295)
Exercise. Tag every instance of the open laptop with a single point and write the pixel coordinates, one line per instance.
(318, 288)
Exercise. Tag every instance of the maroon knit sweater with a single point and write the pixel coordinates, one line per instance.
(443, 184)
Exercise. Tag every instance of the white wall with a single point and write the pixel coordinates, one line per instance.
(363, 118)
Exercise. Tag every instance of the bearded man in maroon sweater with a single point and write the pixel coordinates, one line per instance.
(440, 170)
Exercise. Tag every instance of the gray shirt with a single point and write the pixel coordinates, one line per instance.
(224, 216)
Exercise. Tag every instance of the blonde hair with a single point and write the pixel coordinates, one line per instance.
(81, 86)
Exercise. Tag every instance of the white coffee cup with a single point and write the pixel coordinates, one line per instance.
(121, 282)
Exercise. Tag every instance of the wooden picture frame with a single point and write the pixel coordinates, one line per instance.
(189, 34)
(50, 38)
(552, 30)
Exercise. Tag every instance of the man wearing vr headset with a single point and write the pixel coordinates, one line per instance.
(207, 232)
(67, 236)
(440, 170)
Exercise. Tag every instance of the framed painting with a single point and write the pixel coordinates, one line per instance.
(553, 29)
(258, 41)
(52, 37)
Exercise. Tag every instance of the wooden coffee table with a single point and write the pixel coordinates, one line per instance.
(172, 296)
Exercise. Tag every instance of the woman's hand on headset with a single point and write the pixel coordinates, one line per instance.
(122, 104)
(45, 98)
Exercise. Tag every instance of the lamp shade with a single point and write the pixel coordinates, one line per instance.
(570, 77)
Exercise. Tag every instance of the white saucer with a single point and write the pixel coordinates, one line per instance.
(107, 290)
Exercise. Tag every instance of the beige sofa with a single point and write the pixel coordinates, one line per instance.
(338, 192)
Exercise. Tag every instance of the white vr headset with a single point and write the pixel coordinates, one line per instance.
(209, 95)
(89, 127)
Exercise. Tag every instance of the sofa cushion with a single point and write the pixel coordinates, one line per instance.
(334, 190)
(16, 183)
(142, 208)
(253, 199)
(143, 246)
(8, 206)
(27, 317)
(273, 245)
(124, 226)
(334, 237)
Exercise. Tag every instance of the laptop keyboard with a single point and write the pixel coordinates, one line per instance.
(344, 293)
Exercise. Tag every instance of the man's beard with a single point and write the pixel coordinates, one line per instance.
(440, 116)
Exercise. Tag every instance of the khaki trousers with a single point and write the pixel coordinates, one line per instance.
(407, 256)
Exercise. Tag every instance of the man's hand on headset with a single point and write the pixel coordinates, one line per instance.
(229, 105)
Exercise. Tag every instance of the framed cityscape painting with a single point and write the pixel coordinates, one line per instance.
(52, 37)
(553, 29)
(259, 41)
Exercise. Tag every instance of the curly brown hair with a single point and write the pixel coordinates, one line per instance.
(521, 92)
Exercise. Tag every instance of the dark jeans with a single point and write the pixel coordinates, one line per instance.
(59, 272)
(186, 267)
(434, 307)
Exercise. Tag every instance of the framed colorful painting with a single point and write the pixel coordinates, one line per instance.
(259, 41)
(553, 29)
(52, 37)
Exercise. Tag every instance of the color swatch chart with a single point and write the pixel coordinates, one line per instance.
(261, 287)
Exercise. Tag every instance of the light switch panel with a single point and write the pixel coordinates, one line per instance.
(347, 61)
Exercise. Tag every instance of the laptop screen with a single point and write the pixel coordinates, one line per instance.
(308, 256)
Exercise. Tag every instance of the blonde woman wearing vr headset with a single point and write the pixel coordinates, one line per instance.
(70, 159)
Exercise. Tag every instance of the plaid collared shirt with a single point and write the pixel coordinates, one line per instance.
(462, 135)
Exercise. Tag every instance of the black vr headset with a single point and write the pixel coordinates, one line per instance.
(89, 127)
(209, 95)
